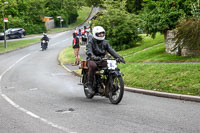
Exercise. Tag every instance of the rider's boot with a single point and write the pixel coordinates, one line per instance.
(89, 85)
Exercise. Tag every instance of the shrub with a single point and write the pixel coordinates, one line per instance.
(188, 34)
(120, 26)
(188, 31)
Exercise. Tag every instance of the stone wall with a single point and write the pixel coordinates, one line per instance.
(185, 51)
(169, 42)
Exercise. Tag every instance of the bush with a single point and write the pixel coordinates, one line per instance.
(189, 30)
(188, 34)
(121, 26)
(15, 22)
(35, 28)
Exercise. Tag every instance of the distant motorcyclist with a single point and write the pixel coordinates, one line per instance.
(44, 41)
(96, 50)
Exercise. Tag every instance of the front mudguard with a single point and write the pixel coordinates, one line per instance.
(116, 73)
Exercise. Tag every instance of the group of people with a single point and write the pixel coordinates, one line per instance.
(80, 36)
(96, 49)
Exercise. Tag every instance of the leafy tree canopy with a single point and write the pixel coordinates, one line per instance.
(94, 3)
(120, 26)
(160, 16)
(28, 14)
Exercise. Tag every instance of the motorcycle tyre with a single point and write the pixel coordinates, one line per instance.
(119, 98)
(87, 94)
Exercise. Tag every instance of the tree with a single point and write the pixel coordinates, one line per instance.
(120, 26)
(67, 9)
(28, 14)
(160, 16)
(94, 3)
(134, 6)
(188, 31)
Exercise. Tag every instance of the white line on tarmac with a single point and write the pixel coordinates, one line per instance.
(23, 109)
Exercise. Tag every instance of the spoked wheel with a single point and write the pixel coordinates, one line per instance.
(117, 90)
(84, 81)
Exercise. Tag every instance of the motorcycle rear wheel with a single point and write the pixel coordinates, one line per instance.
(117, 91)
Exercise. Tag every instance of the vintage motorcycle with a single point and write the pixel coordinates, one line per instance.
(44, 44)
(107, 81)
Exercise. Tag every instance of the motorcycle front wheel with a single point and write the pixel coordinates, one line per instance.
(84, 80)
(117, 90)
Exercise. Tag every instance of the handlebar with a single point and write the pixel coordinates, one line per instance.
(117, 59)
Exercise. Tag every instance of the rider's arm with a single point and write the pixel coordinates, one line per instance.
(89, 51)
(111, 50)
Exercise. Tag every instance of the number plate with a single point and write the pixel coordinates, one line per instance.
(112, 64)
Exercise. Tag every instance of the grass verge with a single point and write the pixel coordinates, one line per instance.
(66, 56)
(147, 42)
(12, 45)
(153, 69)
(181, 78)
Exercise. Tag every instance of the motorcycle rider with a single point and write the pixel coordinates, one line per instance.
(46, 39)
(96, 50)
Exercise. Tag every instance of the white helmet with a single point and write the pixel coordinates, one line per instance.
(96, 30)
(44, 34)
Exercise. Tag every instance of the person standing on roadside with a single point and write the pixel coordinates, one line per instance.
(79, 35)
(76, 46)
(89, 35)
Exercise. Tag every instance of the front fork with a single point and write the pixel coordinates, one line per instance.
(84, 78)
(112, 76)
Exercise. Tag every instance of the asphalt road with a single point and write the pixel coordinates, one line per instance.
(38, 96)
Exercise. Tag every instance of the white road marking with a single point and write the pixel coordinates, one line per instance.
(23, 109)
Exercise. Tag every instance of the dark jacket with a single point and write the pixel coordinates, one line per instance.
(45, 38)
(99, 48)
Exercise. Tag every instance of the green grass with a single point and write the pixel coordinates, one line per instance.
(154, 69)
(181, 78)
(17, 44)
(157, 54)
(146, 43)
(66, 56)
(82, 15)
